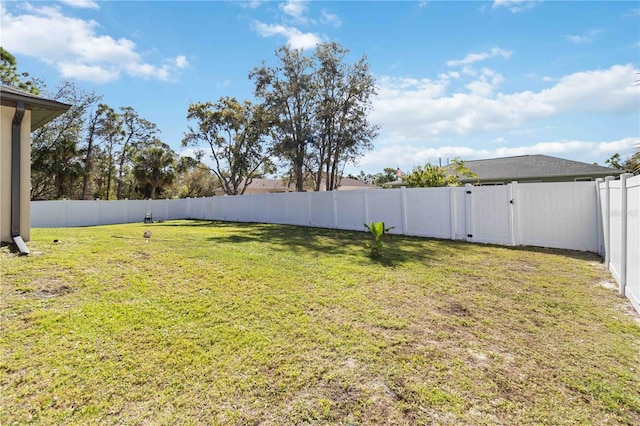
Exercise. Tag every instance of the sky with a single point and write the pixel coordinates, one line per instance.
(469, 79)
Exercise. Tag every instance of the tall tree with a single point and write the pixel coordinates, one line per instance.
(320, 104)
(57, 136)
(235, 134)
(91, 142)
(154, 165)
(136, 130)
(110, 129)
(289, 93)
(10, 76)
(344, 95)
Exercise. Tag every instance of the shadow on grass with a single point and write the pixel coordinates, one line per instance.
(398, 249)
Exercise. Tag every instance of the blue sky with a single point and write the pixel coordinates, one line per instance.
(468, 79)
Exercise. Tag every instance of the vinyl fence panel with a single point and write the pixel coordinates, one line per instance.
(383, 205)
(615, 229)
(429, 213)
(350, 210)
(633, 242)
(321, 205)
(557, 215)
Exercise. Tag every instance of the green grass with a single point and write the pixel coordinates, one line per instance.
(219, 323)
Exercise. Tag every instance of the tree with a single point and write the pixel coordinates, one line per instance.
(92, 140)
(629, 165)
(320, 105)
(235, 134)
(433, 176)
(194, 179)
(60, 135)
(289, 94)
(110, 129)
(154, 165)
(11, 77)
(136, 130)
(344, 95)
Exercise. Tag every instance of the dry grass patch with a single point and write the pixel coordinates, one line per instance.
(218, 323)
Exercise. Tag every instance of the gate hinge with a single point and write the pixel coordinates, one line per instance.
(469, 235)
(468, 192)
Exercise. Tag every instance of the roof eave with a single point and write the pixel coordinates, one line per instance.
(42, 110)
(611, 172)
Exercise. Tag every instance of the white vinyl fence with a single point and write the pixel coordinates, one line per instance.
(569, 215)
(559, 215)
(620, 204)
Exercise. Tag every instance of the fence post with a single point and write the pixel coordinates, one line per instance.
(600, 229)
(365, 198)
(607, 221)
(513, 214)
(623, 230)
(468, 214)
(334, 197)
(66, 212)
(309, 207)
(453, 217)
(403, 200)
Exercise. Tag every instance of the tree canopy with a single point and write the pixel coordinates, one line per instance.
(235, 134)
(319, 104)
(432, 176)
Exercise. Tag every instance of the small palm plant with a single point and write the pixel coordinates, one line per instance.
(378, 232)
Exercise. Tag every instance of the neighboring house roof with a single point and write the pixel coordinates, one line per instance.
(42, 110)
(532, 167)
(354, 183)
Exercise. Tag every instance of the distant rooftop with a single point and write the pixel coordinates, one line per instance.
(533, 167)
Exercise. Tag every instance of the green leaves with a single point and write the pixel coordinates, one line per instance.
(434, 176)
(378, 231)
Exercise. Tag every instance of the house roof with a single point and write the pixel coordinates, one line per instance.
(347, 181)
(532, 167)
(42, 110)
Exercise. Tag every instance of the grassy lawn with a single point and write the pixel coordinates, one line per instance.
(218, 323)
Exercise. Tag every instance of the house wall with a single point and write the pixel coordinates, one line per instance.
(6, 120)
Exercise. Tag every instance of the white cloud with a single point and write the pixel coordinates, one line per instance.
(253, 4)
(87, 72)
(584, 38)
(295, 38)
(77, 50)
(419, 110)
(476, 57)
(83, 4)
(515, 6)
(330, 19)
(181, 61)
(295, 9)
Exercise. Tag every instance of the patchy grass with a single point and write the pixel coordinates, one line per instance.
(218, 323)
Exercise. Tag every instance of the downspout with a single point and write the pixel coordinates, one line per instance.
(16, 142)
